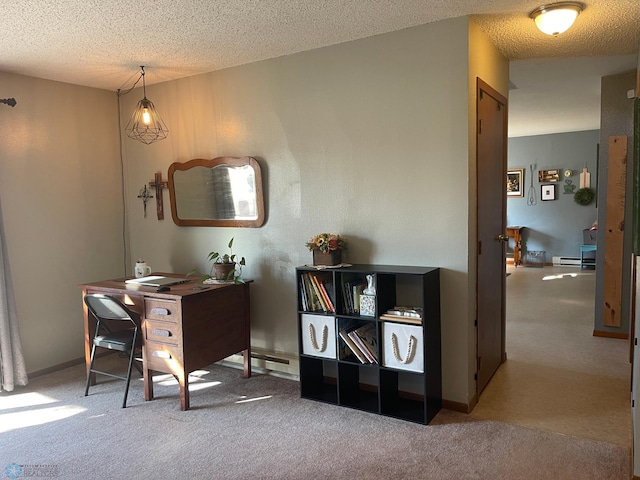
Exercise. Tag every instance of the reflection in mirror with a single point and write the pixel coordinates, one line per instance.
(223, 192)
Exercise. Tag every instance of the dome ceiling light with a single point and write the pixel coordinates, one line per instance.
(556, 18)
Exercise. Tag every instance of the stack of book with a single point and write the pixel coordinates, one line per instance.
(404, 314)
(351, 296)
(316, 294)
(361, 340)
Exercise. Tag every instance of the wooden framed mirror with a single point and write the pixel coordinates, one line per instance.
(223, 192)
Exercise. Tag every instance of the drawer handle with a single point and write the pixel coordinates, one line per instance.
(161, 333)
(160, 311)
(161, 354)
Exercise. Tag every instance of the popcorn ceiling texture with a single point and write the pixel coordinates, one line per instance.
(102, 44)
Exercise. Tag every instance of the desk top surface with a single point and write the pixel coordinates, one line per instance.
(192, 286)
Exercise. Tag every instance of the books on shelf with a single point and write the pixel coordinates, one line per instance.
(351, 346)
(404, 314)
(316, 294)
(351, 296)
(361, 340)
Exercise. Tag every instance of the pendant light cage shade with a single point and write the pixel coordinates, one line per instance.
(556, 18)
(145, 124)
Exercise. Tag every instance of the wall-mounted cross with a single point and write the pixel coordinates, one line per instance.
(158, 184)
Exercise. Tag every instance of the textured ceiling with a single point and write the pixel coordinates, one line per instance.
(102, 43)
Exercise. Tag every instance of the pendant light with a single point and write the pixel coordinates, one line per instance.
(145, 124)
(556, 18)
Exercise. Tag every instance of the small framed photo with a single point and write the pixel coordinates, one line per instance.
(515, 182)
(548, 192)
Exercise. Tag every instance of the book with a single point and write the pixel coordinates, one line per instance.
(368, 335)
(401, 319)
(325, 295)
(318, 294)
(312, 298)
(344, 334)
(411, 312)
(363, 349)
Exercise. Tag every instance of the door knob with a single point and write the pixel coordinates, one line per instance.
(502, 238)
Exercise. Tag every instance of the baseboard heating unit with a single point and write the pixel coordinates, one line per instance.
(566, 261)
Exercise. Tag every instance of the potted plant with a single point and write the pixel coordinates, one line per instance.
(327, 248)
(225, 267)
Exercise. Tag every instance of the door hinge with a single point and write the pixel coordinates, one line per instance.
(479, 247)
(475, 323)
(475, 376)
(479, 126)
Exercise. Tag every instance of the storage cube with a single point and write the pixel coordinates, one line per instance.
(402, 346)
(318, 335)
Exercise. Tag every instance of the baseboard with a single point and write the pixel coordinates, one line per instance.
(281, 363)
(458, 406)
(62, 366)
(602, 333)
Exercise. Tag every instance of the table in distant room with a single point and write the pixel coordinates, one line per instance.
(516, 234)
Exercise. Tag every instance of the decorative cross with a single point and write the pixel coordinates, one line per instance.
(158, 184)
(145, 195)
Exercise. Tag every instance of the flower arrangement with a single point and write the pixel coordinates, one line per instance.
(326, 242)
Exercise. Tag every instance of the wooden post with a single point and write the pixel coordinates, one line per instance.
(614, 231)
(158, 184)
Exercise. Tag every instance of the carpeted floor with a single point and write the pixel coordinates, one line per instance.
(558, 376)
(259, 428)
(557, 409)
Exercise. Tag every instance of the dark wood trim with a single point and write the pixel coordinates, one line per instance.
(460, 407)
(620, 335)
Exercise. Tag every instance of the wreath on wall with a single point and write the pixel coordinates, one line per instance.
(584, 196)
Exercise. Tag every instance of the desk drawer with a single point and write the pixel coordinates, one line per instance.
(164, 310)
(162, 332)
(163, 357)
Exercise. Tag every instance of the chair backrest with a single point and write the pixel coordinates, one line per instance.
(106, 307)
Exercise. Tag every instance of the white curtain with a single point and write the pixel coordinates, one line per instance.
(12, 368)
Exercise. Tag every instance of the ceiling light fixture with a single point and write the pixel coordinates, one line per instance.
(556, 18)
(145, 124)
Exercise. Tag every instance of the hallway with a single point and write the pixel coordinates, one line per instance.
(558, 377)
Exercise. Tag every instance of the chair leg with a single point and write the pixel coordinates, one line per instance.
(93, 354)
(131, 360)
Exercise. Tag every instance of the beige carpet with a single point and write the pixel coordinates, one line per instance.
(557, 409)
(259, 428)
(558, 376)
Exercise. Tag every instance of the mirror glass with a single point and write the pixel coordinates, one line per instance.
(223, 192)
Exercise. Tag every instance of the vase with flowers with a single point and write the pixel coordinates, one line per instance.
(327, 248)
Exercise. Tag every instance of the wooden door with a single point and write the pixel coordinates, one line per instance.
(491, 138)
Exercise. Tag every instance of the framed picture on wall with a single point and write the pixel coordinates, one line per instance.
(515, 182)
(548, 192)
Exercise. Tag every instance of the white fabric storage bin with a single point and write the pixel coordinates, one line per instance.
(402, 346)
(318, 335)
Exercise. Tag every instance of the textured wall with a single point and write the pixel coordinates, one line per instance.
(368, 139)
(61, 196)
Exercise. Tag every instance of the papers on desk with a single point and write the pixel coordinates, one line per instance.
(156, 281)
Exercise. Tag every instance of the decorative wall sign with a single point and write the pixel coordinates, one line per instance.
(515, 182)
(548, 175)
(548, 192)
(569, 187)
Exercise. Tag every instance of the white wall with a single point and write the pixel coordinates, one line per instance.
(61, 199)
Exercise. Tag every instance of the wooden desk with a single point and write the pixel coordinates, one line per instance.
(183, 329)
(516, 234)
